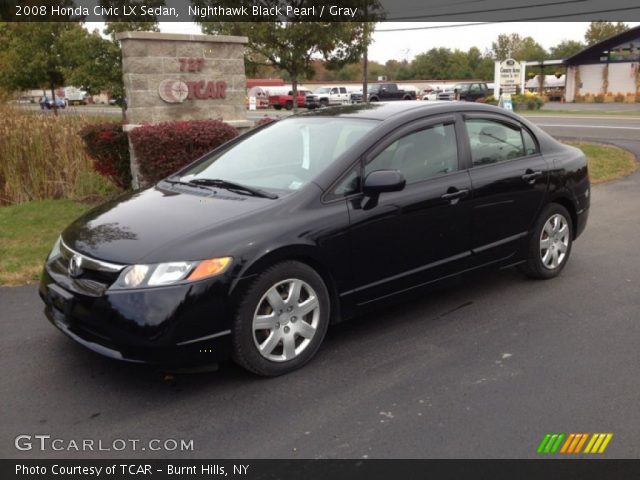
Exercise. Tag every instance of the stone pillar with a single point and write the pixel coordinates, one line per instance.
(171, 77)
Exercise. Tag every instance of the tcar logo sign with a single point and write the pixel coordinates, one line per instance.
(173, 90)
(177, 91)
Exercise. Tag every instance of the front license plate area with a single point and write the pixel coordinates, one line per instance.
(61, 300)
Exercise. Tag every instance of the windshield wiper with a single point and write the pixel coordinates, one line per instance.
(217, 182)
(175, 181)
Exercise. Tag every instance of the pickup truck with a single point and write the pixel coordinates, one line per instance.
(325, 96)
(468, 92)
(286, 101)
(75, 96)
(383, 92)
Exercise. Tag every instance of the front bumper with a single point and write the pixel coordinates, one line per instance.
(184, 324)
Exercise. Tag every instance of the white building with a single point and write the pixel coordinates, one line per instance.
(610, 66)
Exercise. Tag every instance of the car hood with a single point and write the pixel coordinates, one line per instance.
(157, 224)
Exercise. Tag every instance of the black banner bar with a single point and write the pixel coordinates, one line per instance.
(318, 10)
(321, 469)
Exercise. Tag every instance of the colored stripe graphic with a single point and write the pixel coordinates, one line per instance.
(573, 443)
(550, 442)
(598, 443)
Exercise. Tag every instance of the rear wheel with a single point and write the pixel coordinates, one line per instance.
(281, 320)
(550, 244)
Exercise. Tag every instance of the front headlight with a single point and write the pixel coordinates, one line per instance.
(155, 275)
(55, 250)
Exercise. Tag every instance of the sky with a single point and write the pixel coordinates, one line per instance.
(401, 45)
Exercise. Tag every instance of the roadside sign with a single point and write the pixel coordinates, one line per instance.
(252, 103)
(508, 77)
(510, 72)
(505, 101)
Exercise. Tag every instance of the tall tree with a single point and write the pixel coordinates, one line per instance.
(433, 64)
(32, 55)
(291, 44)
(599, 31)
(92, 62)
(517, 47)
(565, 49)
(459, 67)
(505, 46)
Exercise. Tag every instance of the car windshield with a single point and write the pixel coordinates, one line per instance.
(323, 90)
(285, 155)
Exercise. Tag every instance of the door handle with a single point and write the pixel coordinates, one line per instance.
(454, 196)
(531, 176)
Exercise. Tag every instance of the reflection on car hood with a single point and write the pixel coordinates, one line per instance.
(149, 225)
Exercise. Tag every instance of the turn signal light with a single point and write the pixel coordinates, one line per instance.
(209, 268)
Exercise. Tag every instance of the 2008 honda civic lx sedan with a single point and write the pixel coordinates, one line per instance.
(254, 250)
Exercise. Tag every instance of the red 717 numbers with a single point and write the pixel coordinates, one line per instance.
(191, 64)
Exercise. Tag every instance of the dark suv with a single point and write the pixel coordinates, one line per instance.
(469, 92)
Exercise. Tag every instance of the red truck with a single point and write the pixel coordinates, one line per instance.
(286, 101)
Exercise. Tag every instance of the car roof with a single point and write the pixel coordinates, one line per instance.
(392, 110)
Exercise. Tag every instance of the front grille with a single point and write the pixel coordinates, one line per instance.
(93, 277)
(90, 282)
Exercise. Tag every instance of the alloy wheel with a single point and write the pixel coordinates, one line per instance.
(286, 320)
(554, 241)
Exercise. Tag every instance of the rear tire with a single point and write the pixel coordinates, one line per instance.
(550, 243)
(281, 320)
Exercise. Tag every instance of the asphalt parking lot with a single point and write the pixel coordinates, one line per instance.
(483, 368)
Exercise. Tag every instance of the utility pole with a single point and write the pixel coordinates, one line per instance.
(365, 59)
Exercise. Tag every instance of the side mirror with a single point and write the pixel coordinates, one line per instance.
(384, 181)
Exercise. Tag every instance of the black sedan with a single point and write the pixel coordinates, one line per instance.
(254, 250)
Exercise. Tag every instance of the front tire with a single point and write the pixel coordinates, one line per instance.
(550, 245)
(281, 320)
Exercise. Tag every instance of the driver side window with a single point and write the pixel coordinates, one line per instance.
(493, 142)
(420, 155)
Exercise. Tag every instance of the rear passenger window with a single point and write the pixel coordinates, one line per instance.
(493, 142)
